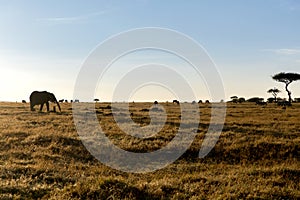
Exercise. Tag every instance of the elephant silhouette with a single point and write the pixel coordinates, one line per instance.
(41, 98)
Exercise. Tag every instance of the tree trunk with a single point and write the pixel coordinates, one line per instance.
(275, 96)
(289, 92)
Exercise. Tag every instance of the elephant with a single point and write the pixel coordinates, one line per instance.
(41, 98)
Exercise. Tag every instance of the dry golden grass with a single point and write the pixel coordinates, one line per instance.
(256, 157)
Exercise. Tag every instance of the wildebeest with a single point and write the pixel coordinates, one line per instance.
(23, 101)
(61, 100)
(155, 102)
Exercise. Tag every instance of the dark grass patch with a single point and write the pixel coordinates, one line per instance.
(107, 189)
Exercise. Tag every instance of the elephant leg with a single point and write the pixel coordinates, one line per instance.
(31, 107)
(47, 104)
(41, 108)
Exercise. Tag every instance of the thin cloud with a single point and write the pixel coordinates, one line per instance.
(283, 51)
(291, 5)
(73, 19)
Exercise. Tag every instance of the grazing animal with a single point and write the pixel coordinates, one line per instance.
(76, 101)
(176, 101)
(66, 101)
(155, 102)
(23, 101)
(207, 101)
(200, 101)
(193, 102)
(41, 98)
(61, 101)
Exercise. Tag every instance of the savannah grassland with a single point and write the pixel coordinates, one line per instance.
(256, 157)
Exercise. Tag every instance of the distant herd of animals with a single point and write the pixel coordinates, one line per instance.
(43, 97)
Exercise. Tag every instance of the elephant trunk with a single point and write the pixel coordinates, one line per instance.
(58, 106)
(55, 101)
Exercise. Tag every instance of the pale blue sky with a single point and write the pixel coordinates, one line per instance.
(44, 43)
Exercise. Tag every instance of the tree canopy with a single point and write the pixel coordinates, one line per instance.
(274, 92)
(287, 78)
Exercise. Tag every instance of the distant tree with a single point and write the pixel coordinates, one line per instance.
(271, 100)
(280, 99)
(297, 100)
(96, 100)
(175, 101)
(255, 99)
(274, 92)
(287, 78)
(241, 100)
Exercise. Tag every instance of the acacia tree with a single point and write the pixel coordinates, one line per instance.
(287, 78)
(274, 92)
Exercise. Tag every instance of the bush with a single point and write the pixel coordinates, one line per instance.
(255, 99)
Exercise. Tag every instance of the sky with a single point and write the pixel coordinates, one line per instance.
(43, 44)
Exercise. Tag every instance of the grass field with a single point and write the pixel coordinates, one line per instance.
(256, 157)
